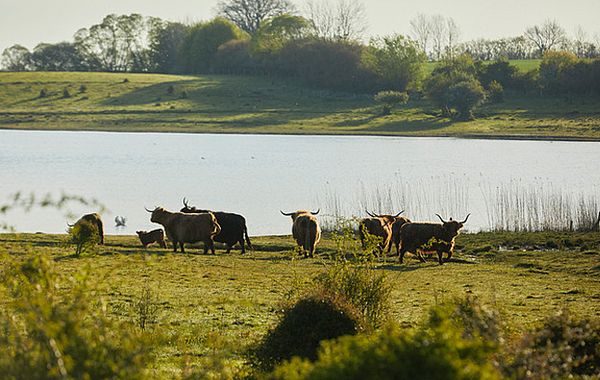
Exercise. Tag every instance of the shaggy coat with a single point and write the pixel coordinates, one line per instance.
(438, 237)
(380, 226)
(305, 230)
(233, 227)
(187, 228)
(95, 220)
(154, 236)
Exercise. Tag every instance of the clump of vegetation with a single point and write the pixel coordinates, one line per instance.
(305, 324)
(43, 93)
(66, 94)
(464, 97)
(183, 95)
(46, 336)
(146, 308)
(390, 99)
(84, 235)
(170, 90)
(447, 348)
(82, 89)
(126, 80)
(495, 92)
(563, 347)
(364, 288)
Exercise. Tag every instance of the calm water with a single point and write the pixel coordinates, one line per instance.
(259, 175)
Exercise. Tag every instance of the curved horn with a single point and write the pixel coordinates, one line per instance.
(70, 225)
(370, 214)
(286, 214)
(465, 221)
(147, 209)
(316, 212)
(398, 214)
(185, 202)
(438, 215)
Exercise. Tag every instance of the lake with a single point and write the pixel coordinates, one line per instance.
(258, 175)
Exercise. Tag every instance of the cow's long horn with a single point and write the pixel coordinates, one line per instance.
(316, 212)
(185, 202)
(147, 209)
(286, 214)
(465, 221)
(438, 215)
(370, 214)
(70, 225)
(398, 214)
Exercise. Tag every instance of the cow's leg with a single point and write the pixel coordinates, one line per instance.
(401, 254)
(449, 255)
(440, 257)
(175, 246)
(101, 232)
(181, 245)
(162, 244)
(228, 247)
(242, 245)
(209, 244)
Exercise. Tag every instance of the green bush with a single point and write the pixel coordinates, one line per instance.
(48, 336)
(84, 235)
(464, 97)
(437, 353)
(304, 325)
(390, 99)
(363, 287)
(495, 92)
(562, 348)
(66, 94)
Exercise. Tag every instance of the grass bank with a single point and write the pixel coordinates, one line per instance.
(232, 104)
(222, 303)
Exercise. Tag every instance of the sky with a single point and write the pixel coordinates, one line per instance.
(28, 22)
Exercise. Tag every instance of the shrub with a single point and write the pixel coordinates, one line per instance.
(126, 80)
(84, 235)
(304, 325)
(183, 95)
(66, 94)
(390, 99)
(495, 92)
(364, 288)
(564, 346)
(464, 97)
(431, 353)
(170, 90)
(82, 89)
(146, 308)
(48, 336)
(43, 93)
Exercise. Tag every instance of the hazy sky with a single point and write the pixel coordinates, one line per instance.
(29, 22)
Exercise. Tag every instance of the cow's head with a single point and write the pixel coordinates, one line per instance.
(157, 215)
(296, 214)
(386, 219)
(453, 226)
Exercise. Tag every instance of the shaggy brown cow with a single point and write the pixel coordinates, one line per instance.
(305, 230)
(380, 226)
(154, 236)
(96, 221)
(396, 226)
(187, 228)
(438, 237)
(233, 227)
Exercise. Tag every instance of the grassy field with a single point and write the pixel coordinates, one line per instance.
(232, 104)
(224, 302)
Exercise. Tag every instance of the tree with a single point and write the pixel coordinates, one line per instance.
(249, 15)
(165, 43)
(421, 31)
(202, 43)
(116, 44)
(438, 35)
(546, 36)
(554, 68)
(276, 32)
(62, 56)
(16, 58)
(464, 96)
(390, 99)
(397, 62)
(452, 35)
(345, 20)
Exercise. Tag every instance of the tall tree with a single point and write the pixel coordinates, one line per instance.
(166, 39)
(16, 58)
(438, 35)
(546, 36)
(248, 15)
(420, 28)
(345, 19)
(62, 56)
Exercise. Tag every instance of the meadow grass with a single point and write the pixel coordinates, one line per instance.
(124, 102)
(219, 304)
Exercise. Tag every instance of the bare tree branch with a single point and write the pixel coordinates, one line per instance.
(249, 14)
(546, 36)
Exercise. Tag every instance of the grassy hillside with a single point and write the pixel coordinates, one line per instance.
(222, 303)
(232, 104)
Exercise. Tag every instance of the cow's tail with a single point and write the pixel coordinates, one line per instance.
(247, 237)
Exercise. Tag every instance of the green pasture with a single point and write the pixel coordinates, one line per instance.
(224, 303)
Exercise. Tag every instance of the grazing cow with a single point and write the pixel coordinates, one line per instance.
(438, 237)
(396, 226)
(154, 236)
(96, 221)
(187, 228)
(380, 226)
(305, 230)
(233, 227)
